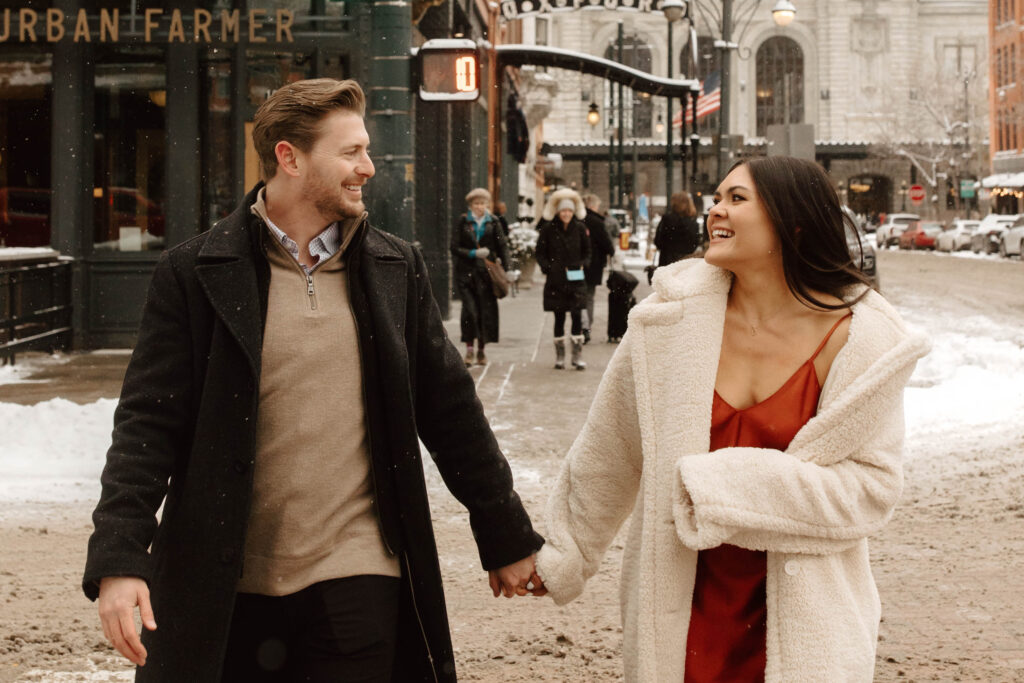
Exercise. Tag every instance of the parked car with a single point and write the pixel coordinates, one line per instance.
(920, 235)
(861, 251)
(24, 217)
(1012, 242)
(888, 233)
(986, 238)
(957, 235)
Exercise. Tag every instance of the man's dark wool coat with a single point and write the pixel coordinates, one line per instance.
(185, 428)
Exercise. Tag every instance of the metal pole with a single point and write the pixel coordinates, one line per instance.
(611, 170)
(967, 143)
(668, 117)
(621, 152)
(695, 139)
(723, 112)
(493, 108)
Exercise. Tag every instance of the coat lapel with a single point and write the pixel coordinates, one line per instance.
(227, 272)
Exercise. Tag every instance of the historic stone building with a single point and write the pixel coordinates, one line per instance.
(896, 93)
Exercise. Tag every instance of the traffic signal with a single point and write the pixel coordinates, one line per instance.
(449, 70)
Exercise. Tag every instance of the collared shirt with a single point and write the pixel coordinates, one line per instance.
(321, 247)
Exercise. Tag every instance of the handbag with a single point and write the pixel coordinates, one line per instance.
(499, 280)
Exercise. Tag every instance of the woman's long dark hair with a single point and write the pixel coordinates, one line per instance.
(804, 210)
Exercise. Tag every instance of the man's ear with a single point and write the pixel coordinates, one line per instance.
(287, 158)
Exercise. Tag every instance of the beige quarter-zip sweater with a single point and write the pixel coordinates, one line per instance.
(312, 516)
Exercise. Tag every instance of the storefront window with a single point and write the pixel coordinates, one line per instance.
(130, 183)
(26, 96)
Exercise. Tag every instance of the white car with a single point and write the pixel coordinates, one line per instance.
(888, 233)
(1012, 241)
(986, 238)
(957, 236)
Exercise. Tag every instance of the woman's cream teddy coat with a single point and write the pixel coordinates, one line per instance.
(644, 450)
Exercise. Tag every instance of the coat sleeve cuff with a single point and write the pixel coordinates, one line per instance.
(695, 532)
(562, 577)
(505, 538)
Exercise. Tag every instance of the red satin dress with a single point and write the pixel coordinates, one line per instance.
(728, 620)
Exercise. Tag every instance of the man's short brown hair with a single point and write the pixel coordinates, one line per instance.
(294, 113)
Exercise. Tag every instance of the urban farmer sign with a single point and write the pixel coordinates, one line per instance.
(197, 26)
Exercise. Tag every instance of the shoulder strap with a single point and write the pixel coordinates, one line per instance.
(829, 335)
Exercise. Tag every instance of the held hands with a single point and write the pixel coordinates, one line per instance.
(482, 252)
(119, 595)
(518, 578)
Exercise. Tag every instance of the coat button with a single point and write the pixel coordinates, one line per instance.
(241, 466)
(792, 568)
(227, 556)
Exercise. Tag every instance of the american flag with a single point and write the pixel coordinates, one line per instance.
(710, 100)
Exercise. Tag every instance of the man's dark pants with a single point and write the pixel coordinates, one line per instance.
(337, 630)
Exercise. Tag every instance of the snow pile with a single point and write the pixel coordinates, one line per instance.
(28, 365)
(54, 450)
(970, 385)
(12, 253)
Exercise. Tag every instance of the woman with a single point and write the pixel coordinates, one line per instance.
(678, 234)
(477, 236)
(752, 421)
(563, 249)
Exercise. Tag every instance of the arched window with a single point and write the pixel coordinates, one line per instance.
(635, 54)
(780, 83)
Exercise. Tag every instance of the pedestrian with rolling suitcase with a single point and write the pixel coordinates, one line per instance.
(621, 284)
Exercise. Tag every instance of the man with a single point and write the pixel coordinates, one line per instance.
(287, 361)
(601, 249)
(500, 209)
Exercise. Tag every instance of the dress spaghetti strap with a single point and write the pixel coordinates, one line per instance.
(829, 336)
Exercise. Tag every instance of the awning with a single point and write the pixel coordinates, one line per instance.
(1003, 180)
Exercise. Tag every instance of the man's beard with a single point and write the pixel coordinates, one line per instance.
(329, 201)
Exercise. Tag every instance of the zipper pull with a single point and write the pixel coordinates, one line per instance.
(309, 291)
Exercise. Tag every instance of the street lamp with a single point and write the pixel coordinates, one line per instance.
(674, 10)
(593, 114)
(660, 125)
(783, 13)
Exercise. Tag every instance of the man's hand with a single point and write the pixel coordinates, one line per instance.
(482, 252)
(518, 578)
(119, 595)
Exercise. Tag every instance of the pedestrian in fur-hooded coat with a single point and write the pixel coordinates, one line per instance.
(644, 450)
(561, 248)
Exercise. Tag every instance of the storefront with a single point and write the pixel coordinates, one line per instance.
(124, 128)
(1006, 191)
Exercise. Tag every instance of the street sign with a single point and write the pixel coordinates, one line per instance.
(967, 188)
(449, 70)
(916, 193)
